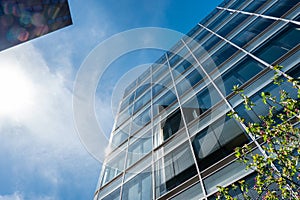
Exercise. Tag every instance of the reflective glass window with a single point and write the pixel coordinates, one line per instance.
(222, 17)
(141, 120)
(161, 84)
(236, 4)
(281, 7)
(164, 102)
(239, 74)
(189, 81)
(295, 71)
(211, 42)
(201, 102)
(174, 60)
(120, 136)
(226, 175)
(164, 69)
(217, 141)
(280, 44)
(142, 89)
(138, 188)
(219, 57)
(232, 24)
(126, 102)
(251, 31)
(182, 67)
(156, 89)
(174, 169)
(263, 109)
(113, 167)
(142, 101)
(193, 193)
(171, 125)
(115, 195)
(254, 5)
(201, 35)
(139, 148)
(129, 88)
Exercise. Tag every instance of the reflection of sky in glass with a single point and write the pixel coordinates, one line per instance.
(22, 21)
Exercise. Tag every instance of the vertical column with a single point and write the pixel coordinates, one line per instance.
(186, 128)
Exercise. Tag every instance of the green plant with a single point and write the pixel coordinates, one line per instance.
(278, 164)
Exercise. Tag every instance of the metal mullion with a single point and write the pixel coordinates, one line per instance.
(247, 53)
(152, 135)
(261, 15)
(227, 102)
(186, 128)
(213, 83)
(125, 161)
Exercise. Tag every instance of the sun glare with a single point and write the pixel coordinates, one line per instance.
(16, 92)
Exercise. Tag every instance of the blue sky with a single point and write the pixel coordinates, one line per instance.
(41, 156)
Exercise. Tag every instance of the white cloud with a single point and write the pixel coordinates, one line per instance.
(41, 151)
(14, 196)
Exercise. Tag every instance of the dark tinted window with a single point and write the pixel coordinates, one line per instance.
(236, 4)
(211, 42)
(174, 169)
(232, 24)
(254, 5)
(219, 20)
(219, 57)
(217, 141)
(239, 74)
(280, 44)
(280, 8)
(138, 188)
(251, 31)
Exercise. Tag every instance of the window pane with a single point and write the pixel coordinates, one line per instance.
(280, 44)
(219, 57)
(211, 42)
(226, 175)
(189, 81)
(238, 75)
(201, 35)
(139, 148)
(171, 125)
(141, 120)
(142, 89)
(280, 8)
(251, 31)
(182, 67)
(202, 101)
(254, 5)
(113, 196)
(237, 4)
(173, 169)
(138, 188)
(222, 17)
(142, 101)
(113, 167)
(232, 24)
(120, 136)
(193, 193)
(217, 141)
(164, 102)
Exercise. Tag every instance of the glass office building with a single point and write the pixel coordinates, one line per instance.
(172, 138)
(23, 20)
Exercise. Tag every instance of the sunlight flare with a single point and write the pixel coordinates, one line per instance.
(16, 92)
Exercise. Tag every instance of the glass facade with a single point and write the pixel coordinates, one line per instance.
(172, 138)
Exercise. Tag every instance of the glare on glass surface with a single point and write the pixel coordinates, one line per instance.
(16, 92)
